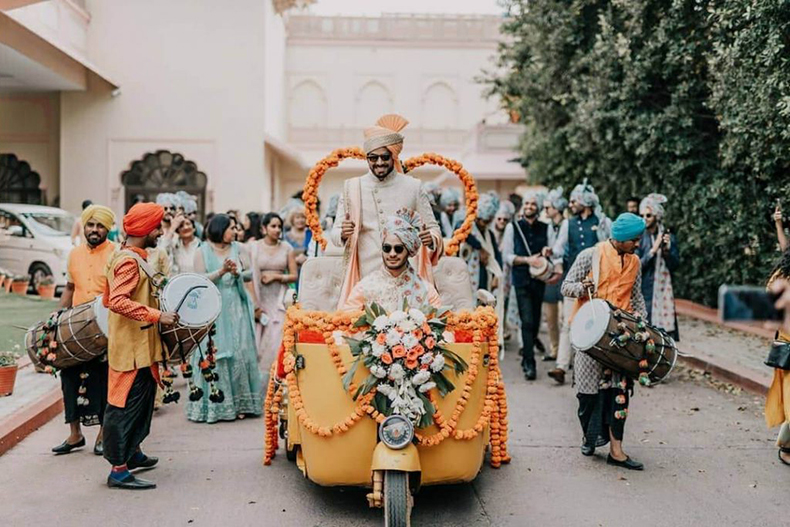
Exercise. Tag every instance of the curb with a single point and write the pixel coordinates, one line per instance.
(745, 378)
(17, 427)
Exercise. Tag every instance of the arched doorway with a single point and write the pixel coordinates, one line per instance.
(18, 182)
(164, 171)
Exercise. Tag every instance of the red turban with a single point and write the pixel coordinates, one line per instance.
(142, 219)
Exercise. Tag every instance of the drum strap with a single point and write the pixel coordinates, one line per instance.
(596, 267)
(523, 238)
(145, 266)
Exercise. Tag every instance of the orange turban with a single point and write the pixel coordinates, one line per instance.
(385, 134)
(142, 219)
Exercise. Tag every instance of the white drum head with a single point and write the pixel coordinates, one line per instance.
(102, 315)
(202, 304)
(590, 324)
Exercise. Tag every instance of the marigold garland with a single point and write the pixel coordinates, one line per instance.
(482, 324)
(316, 174)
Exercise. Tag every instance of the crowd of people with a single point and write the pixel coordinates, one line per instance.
(540, 253)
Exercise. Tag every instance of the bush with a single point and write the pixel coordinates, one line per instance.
(690, 98)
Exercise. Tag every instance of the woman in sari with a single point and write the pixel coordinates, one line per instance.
(273, 268)
(777, 402)
(220, 258)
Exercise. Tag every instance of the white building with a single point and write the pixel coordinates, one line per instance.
(107, 99)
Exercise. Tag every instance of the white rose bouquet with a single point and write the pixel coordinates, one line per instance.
(406, 354)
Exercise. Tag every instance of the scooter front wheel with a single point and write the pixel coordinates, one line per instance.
(397, 499)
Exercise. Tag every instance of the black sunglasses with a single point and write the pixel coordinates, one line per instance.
(372, 158)
(647, 215)
(387, 248)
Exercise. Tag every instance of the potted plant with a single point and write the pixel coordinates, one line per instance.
(46, 287)
(8, 367)
(7, 285)
(3, 274)
(19, 284)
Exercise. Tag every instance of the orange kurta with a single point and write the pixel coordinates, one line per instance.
(86, 270)
(616, 279)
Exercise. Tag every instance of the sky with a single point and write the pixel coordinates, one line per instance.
(376, 7)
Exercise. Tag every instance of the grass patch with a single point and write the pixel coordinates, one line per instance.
(16, 310)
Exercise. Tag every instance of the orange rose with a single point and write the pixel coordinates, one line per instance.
(399, 351)
(417, 334)
(426, 329)
(417, 350)
(412, 363)
(430, 342)
(386, 358)
(381, 338)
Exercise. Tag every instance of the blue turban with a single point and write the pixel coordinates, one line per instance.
(627, 227)
(487, 206)
(584, 194)
(557, 200)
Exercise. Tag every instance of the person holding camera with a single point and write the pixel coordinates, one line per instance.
(658, 252)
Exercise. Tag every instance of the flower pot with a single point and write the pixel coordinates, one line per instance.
(20, 288)
(7, 379)
(46, 291)
(7, 285)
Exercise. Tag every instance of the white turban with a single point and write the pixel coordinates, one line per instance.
(654, 202)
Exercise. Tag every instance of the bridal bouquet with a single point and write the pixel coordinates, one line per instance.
(406, 354)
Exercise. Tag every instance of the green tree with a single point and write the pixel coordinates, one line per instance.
(657, 96)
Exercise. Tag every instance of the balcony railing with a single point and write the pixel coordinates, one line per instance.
(337, 137)
(459, 28)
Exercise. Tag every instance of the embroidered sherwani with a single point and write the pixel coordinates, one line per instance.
(379, 200)
(389, 292)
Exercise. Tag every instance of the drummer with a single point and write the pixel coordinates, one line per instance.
(525, 240)
(85, 281)
(603, 394)
(135, 347)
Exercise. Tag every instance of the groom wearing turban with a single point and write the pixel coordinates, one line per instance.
(367, 201)
(396, 280)
(611, 271)
(134, 347)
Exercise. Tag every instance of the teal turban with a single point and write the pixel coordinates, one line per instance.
(627, 227)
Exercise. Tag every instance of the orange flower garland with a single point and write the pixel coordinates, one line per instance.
(316, 174)
(482, 324)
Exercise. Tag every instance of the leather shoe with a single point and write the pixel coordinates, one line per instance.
(98, 448)
(146, 462)
(529, 372)
(548, 358)
(130, 482)
(588, 450)
(628, 463)
(558, 374)
(66, 448)
(539, 346)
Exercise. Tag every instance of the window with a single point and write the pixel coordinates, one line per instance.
(18, 182)
(164, 171)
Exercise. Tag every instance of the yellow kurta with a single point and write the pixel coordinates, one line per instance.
(777, 402)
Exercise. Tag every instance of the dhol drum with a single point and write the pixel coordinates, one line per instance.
(198, 303)
(80, 334)
(544, 271)
(622, 342)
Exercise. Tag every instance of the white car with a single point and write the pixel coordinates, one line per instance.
(36, 241)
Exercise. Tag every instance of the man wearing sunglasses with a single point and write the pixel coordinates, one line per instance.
(397, 279)
(368, 201)
(658, 251)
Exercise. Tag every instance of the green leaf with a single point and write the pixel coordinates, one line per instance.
(349, 376)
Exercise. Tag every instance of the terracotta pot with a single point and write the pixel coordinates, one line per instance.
(7, 285)
(7, 379)
(19, 288)
(46, 291)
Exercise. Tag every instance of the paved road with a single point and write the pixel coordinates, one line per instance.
(710, 462)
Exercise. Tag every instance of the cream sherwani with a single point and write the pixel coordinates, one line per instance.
(380, 200)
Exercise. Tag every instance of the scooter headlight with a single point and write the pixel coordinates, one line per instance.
(396, 432)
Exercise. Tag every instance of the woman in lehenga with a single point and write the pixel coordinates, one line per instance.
(777, 402)
(273, 268)
(220, 258)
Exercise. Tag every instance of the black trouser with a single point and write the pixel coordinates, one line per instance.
(126, 428)
(530, 303)
(92, 412)
(597, 415)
